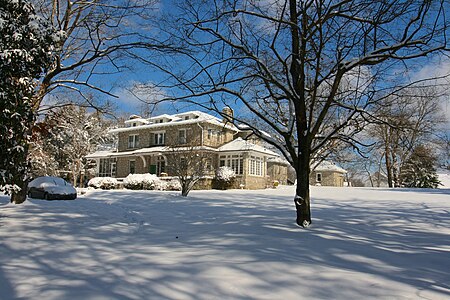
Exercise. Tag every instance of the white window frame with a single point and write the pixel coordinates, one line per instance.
(161, 165)
(210, 133)
(157, 138)
(129, 166)
(256, 166)
(233, 161)
(107, 167)
(182, 139)
(133, 141)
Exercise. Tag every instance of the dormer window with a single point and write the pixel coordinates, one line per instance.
(186, 117)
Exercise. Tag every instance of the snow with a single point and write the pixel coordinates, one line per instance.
(103, 182)
(444, 178)
(176, 120)
(146, 181)
(328, 166)
(240, 144)
(46, 181)
(53, 185)
(363, 244)
(225, 174)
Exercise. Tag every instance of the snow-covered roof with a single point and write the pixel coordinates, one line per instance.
(100, 154)
(177, 119)
(245, 127)
(165, 117)
(328, 166)
(137, 120)
(143, 151)
(278, 160)
(242, 145)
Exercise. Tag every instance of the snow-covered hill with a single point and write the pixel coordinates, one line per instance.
(364, 244)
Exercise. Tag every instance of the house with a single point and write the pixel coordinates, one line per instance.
(143, 147)
(327, 173)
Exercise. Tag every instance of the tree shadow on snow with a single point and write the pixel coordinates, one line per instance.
(228, 245)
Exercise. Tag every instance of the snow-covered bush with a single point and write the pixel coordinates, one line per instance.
(142, 182)
(225, 177)
(173, 185)
(159, 185)
(225, 174)
(105, 183)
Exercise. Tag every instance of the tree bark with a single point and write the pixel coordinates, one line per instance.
(20, 196)
(388, 166)
(20, 176)
(302, 198)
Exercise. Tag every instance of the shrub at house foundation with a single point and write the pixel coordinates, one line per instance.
(104, 183)
(225, 178)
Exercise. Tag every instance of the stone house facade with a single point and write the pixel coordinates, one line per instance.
(143, 147)
(327, 174)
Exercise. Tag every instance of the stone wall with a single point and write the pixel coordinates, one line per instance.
(277, 171)
(329, 178)
(255, 182)
(217, 136)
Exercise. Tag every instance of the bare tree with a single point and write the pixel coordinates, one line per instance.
(304, 69)
(190, 162)
(405, 121)
(96, 35)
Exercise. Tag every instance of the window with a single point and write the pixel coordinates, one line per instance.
(160, 165)
(183, 164)
(160, 138)
(222, 160)
(132, 167)
(133, 141)
(107, 167)
(255, 166)
(319, 177)
(182, 136)
(208, 164)
(234, 162)
(186, 117)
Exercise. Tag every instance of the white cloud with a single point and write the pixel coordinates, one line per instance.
(439, 69)
(140, 98)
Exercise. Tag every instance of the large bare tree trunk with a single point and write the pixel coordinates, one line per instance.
(302, 198)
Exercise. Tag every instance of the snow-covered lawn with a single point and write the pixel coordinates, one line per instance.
(364, 244)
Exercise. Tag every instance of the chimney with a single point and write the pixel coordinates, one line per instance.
(228, 114)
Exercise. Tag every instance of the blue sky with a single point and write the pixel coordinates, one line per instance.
(119, 84)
